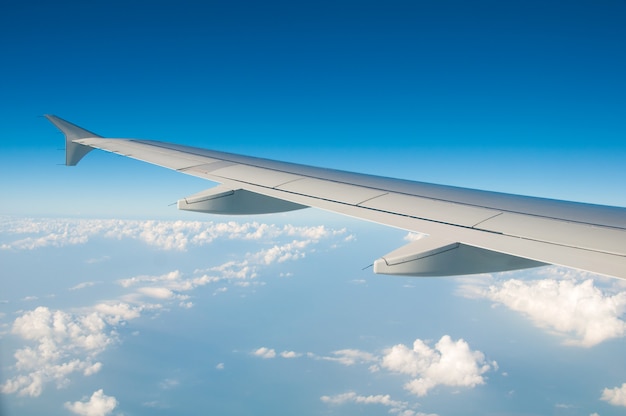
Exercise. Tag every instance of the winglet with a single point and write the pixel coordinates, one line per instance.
(74, 152)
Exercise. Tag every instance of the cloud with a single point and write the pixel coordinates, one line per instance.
(169, 383)
(166, 235)
(59, 344)
(83, 285)
(397, 407)
(98, 404)
(449, 363)
(281, 253)
(616, 396)
(64, 343)
(156, 292)
(219, 366)
(351, 357)
(290, 354)
(579, 311)
(410, 237)
(265, 353)
(352, 397)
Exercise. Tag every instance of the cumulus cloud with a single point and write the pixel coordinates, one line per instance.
(578, 310)
(59, 344)
(98, 404)
(290, 354)
(616, 396)
(281, 253)
(449, 363)
(355, 398)
(264, 352)
(351, 357)
(166, 235)
(62, 343)
(397, 407)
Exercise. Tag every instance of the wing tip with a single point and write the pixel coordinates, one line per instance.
(74, 152)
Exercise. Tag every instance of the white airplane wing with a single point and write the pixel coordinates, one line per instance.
(467, 231)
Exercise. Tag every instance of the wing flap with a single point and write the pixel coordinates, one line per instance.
(331, 191)
(430, 209)
(608, 240)
(261, 176)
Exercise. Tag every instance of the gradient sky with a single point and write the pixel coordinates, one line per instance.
(525, 97)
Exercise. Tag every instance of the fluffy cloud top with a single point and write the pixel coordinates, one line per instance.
(166, 235)
(265, 352)
(98, 404)
(449, 363)
(616, 396)
(578, 310)
(66, 343)
(396, 407)
(384, 400)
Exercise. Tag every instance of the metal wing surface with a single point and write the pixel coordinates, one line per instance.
(466, 231)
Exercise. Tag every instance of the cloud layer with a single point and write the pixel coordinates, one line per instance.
(166, 235)
(59, 344)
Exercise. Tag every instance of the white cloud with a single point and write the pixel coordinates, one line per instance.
(166, 235)
(156, 292)
(60, 344)
(65, 343)
(580, 311)
(414, 236)
(355, 398)
(351, 357)
(82, 285)
(616, 396)
(290, 354)
(220, 366)
(397, 407)
(281, 253)
(169, 383)
(98, 404)
(449, 363)
(93, 369)
(264, 352)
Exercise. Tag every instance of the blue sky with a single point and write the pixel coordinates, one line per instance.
(522, 97)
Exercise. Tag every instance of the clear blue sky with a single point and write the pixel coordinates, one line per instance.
(525, 97)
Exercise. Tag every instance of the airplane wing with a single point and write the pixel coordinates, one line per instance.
(466, 231)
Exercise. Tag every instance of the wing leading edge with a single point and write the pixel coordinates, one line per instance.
(466, 231)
